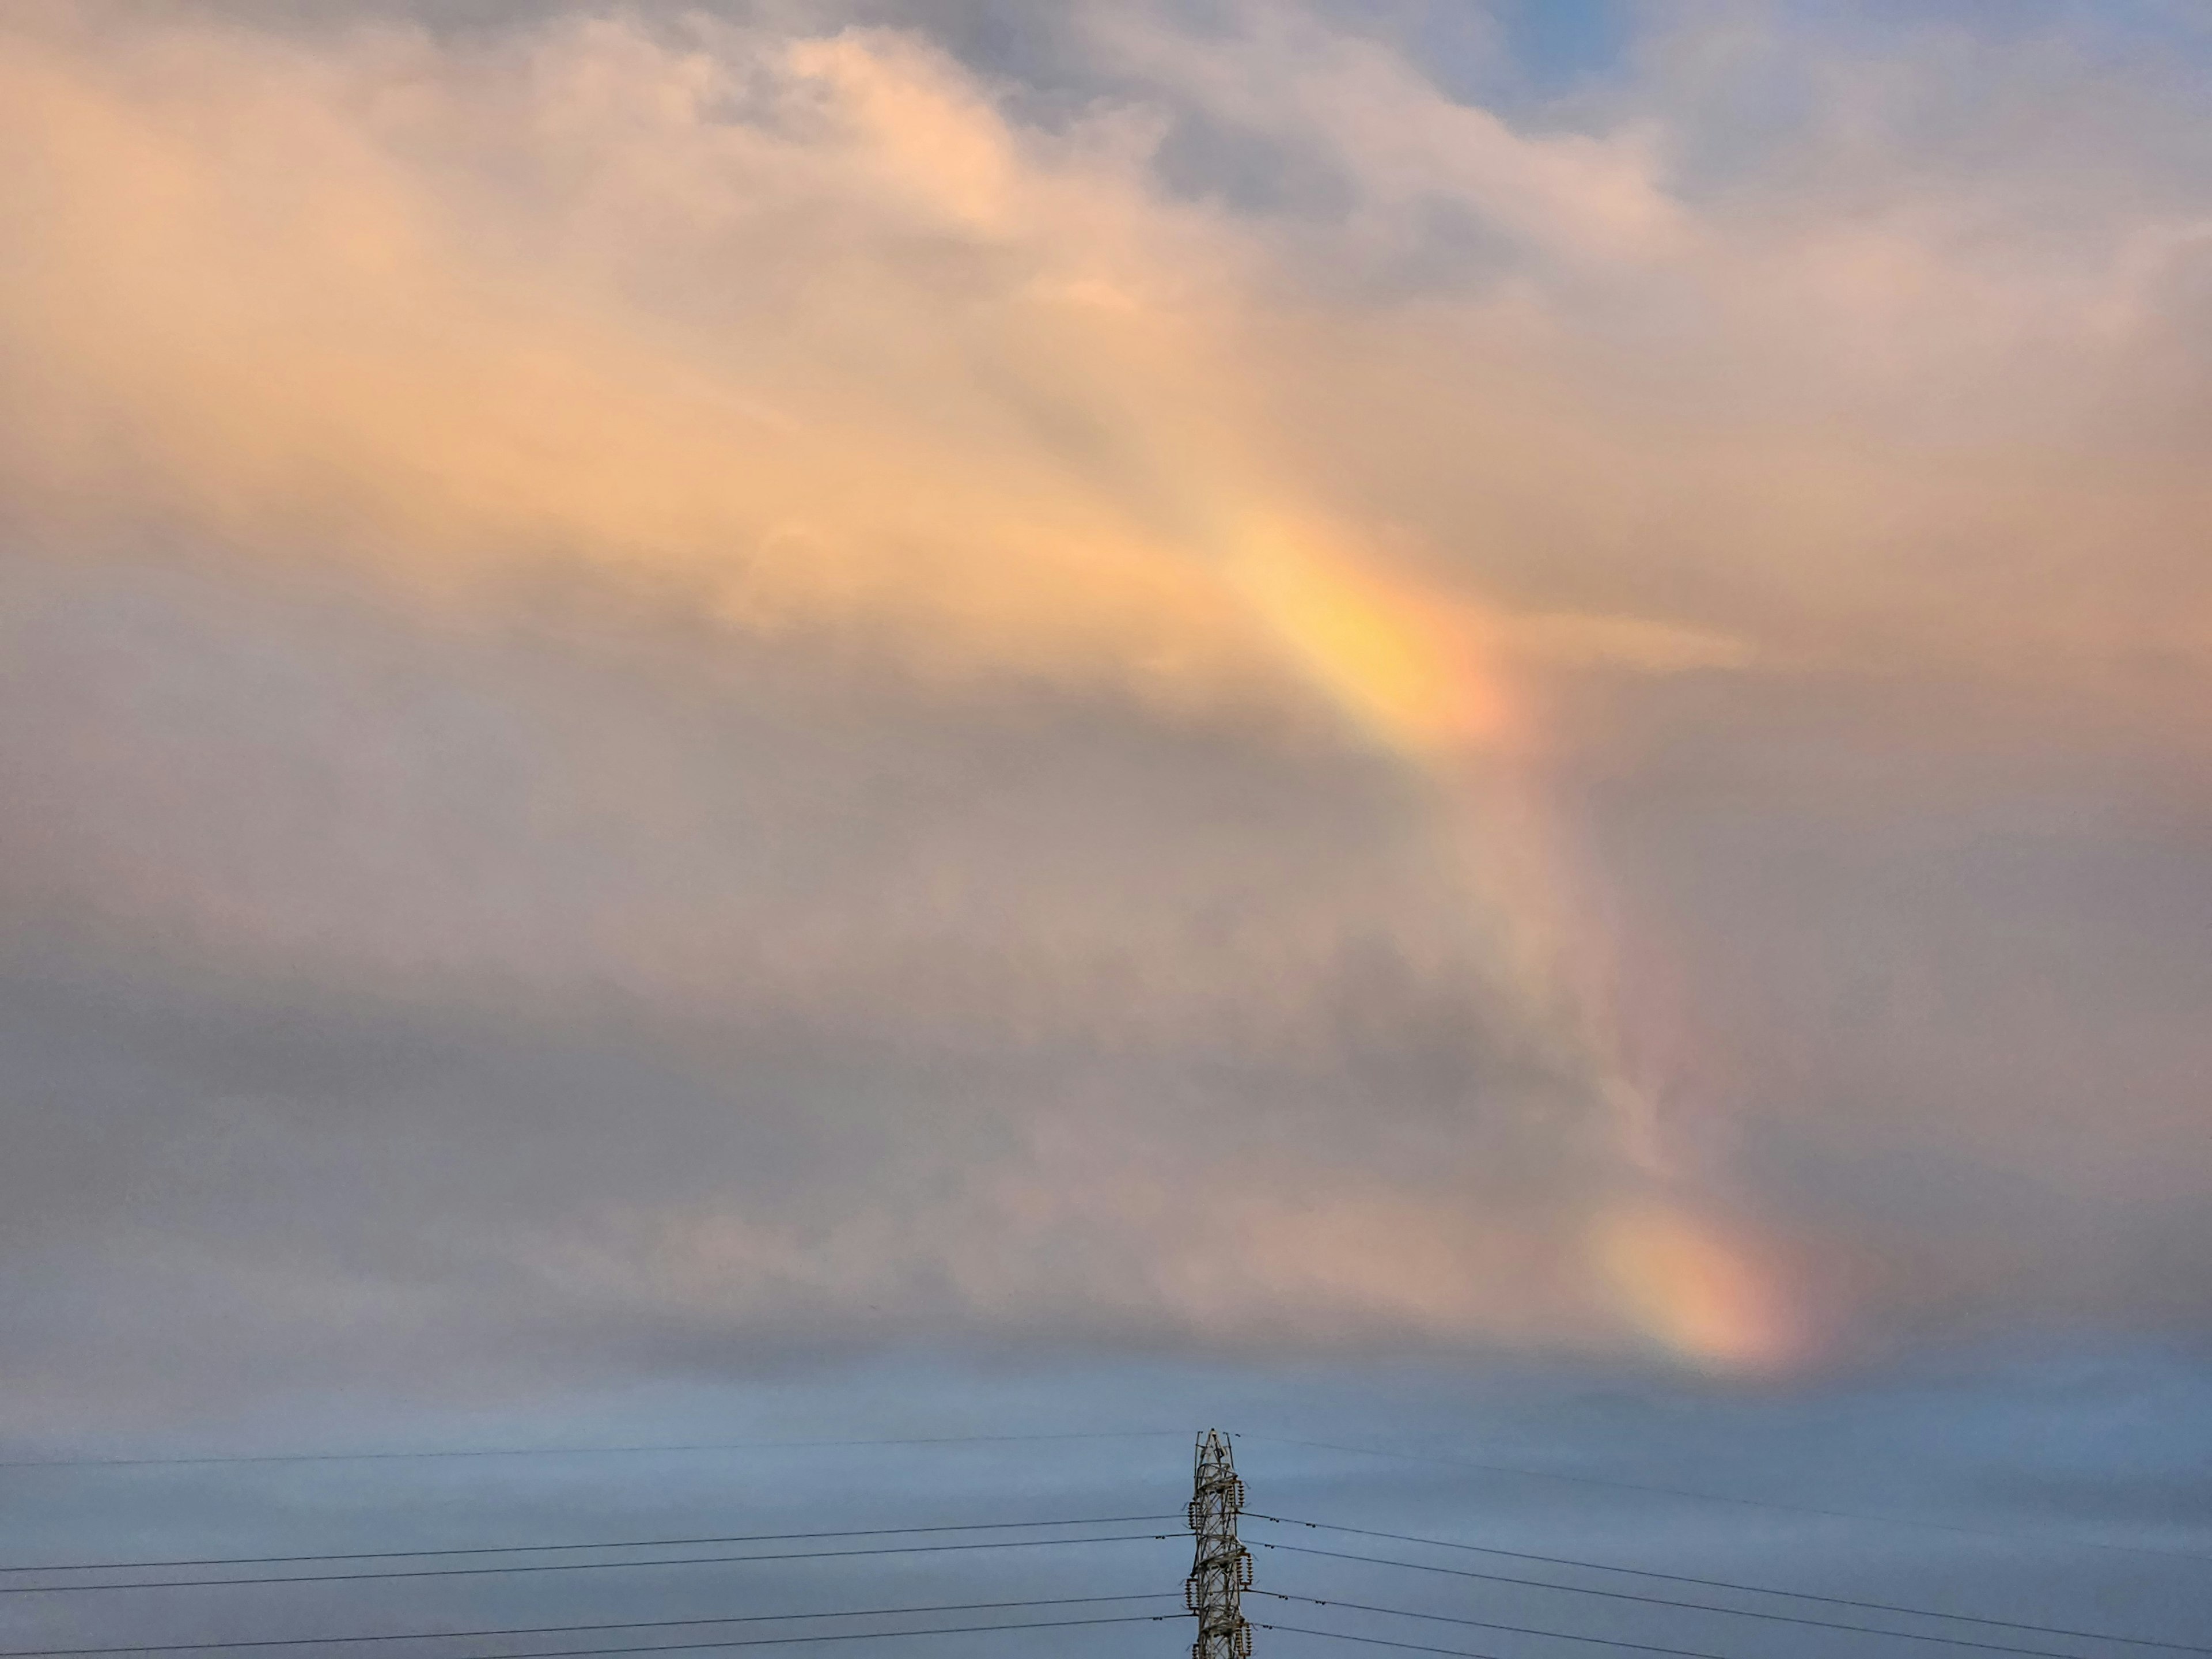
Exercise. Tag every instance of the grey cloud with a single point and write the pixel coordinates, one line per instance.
(382, 996)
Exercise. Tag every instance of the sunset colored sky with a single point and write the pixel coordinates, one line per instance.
(694, 694)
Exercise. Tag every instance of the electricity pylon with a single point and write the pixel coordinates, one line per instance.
(1222, 1569)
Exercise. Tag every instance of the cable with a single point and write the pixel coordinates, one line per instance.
(573, 1566)
(569, 1451)
(613, 1544)
(571, 1630)
(1723, 1497)
(1723, 1583)
(1479, 1624)
(1376, 1641)
(1662, 1602)
(849, 1635)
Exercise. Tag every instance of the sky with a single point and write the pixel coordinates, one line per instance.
(1484, 722)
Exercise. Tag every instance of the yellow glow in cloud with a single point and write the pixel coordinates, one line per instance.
(1416, 670)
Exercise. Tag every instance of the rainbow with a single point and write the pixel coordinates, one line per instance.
(1426, 676)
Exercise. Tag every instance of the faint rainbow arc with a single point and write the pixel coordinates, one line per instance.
(1421, 674)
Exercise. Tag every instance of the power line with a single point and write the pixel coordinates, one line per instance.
(574, 1630)
(1479, 1624)
(1378, 1642)
(611, 1544)
(575, 1566)
(1723, 1497)
(1663, 1601)
(844, 1636)
(1758, 1589)
(568, 1451)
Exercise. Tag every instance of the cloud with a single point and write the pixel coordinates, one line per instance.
(887, 630)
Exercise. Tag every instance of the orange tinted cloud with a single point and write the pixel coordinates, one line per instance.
(816, 338)
(1710, 1293)
(981, 394)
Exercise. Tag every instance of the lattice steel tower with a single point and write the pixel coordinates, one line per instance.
(1222, 1568)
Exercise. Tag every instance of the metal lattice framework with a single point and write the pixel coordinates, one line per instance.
(1222, 1569)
